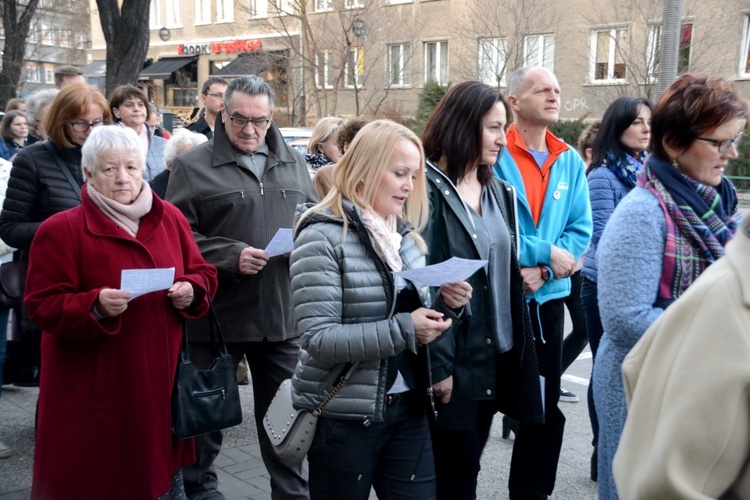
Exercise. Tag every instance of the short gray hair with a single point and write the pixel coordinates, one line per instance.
(36, 101)
(181, 139)
(105, 139)
(250, 85)
(516, 79)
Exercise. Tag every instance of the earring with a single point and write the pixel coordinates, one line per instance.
(674, 163)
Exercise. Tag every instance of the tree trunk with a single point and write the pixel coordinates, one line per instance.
(126, 31)
(16, 34)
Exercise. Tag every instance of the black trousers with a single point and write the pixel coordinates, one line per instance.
(533, 466)
(270, 363)
(576, 341)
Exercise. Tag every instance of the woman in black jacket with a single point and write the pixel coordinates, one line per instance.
(481, 367)
(46, 178)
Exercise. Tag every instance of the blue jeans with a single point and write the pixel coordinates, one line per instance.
(395, 456)
(3, 342)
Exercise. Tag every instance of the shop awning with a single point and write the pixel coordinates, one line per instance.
(164, 67)
(252, 63)
(96, 68)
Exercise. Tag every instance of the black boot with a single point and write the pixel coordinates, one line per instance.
(594, 468)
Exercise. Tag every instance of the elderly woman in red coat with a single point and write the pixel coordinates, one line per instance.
(104, 424)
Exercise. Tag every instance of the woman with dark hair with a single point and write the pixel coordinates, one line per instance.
(14, 131)
(46, 179)
(130, 108)
(476, 368)
(617, 154)
(664, 233)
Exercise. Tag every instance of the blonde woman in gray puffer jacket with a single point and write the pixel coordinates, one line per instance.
(351, 311)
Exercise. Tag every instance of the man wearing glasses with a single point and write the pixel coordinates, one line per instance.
(236, 191)
(212, 94)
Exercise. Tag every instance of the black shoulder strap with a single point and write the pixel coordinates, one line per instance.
(64, 168)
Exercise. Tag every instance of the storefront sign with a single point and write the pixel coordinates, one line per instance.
(220, 48)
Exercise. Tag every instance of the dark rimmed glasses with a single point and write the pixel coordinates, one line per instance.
(82, 126)
(241, 121)
(724, 144)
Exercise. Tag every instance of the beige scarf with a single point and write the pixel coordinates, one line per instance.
(385, 238)
(127, 217)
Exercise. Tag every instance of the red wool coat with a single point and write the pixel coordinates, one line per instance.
(104, 428)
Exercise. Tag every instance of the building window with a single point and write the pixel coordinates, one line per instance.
(174, 14)
(399, 64)
(284, 7)
(32, 72)
(81, 40)
(224, 11)
(258, 9)
(49, 73)
(745, 56)
(608, 55)
(202, 11)
(355, 67)
(323, 72)
(322, 5)
(654, 50)
(492, 60)
(353, 4)
(393, 2)
(539, 50)
(65, 37)
(436, 62)
(154, 15)
(47, 35)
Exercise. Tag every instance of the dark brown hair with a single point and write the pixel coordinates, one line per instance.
(5, 130)
(691, 107)
(69, 105)
(454, 129)
(348, 131)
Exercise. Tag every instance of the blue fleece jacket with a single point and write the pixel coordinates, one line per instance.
(565, 220)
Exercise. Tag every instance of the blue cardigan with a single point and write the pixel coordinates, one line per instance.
(605, 191)
(565, 220)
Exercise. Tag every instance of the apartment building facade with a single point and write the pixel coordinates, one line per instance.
(373, 57)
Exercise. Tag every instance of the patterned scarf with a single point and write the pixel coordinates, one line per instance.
(625, 168)
(317, 160)
(700, 222)
(385, 238)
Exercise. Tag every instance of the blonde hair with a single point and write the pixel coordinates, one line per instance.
(358, 173)
(324, 129)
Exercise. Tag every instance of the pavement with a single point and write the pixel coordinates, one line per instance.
(242, 475)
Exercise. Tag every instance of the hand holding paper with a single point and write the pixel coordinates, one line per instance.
(141, 281)
(281, 243)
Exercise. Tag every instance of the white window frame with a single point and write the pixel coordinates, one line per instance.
(442, 51)
(612, 55)
(202, 12)
(323, 60)
(154, 15)
(744, 63)
(224, 11)
(492, 58)
(402, 72)
(358, 74)
(322, 5)
(533, 56)
(174, 13)
(48, 35)
(258, 9)
(396, 2)
(284, 7)
(32, 72)
(65, 37)
(353, 4)
(49, 73)
(653, 42)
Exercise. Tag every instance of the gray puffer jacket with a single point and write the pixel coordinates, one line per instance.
(343, 297)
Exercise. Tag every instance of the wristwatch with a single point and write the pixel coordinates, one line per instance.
(545, 273)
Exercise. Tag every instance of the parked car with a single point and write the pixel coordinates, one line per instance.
(300, 144)
(293, 133)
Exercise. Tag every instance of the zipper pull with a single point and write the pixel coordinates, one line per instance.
(223, 394)
(261, 188)
(283, 193)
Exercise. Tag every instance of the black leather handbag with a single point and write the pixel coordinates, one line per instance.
(205, 400)
(10, 285)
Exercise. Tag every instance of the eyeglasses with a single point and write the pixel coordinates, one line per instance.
(218, 95)
(724, 144)
(84, 126)
(241, 121)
